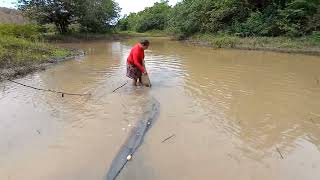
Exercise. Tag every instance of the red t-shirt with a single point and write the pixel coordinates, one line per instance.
(136, 57)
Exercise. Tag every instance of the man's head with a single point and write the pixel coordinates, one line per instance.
(144, 44)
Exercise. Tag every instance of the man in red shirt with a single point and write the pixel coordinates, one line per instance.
(135, 62)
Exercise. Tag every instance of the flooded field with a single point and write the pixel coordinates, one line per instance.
(231, 114)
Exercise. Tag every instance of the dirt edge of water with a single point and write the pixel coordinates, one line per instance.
(21, 71)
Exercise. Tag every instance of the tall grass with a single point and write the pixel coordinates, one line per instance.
(28, 31)
(20, 45)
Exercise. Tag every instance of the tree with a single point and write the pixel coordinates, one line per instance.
(123, 23)
(227, 12)
(154, 18)
(59, 12)
(189, 17)
(151, 18)
(241, 17)
(96, 15)
(93, 15)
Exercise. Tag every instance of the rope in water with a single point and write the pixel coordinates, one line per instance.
(120, 86)
(50, 90)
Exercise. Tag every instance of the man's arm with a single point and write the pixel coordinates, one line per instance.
(137, 63)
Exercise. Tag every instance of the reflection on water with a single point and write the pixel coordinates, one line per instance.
(230, 111)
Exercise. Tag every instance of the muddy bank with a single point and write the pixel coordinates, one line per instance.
(21, 71)
(315, 51)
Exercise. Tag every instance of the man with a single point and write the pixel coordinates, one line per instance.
(135, 62)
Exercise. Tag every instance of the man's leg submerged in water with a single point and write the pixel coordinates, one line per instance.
(134, 82)
(140, 81)
(137, 82)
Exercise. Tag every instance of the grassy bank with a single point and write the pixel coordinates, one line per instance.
(305, 45)
(22, 52)
(19, 56)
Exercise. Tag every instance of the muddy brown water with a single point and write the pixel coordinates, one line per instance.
(235, 115)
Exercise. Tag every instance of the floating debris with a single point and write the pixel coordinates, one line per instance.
(279, 152)
(129, 157)
(120, 86)
(166, 139)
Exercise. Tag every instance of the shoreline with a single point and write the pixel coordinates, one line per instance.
(312, 52)
(238, 43)
(21, 71)
(252, 44)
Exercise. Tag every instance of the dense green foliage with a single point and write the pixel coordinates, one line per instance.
(152, 18)
(96, 15)
(291, 18)
(92, 15)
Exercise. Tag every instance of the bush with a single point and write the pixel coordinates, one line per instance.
(29, 31)
(50, 28)
(269, 22)
(225, 13)
(316, 37)
(297, 17)
(189, 17)
(246, 18)
(154, 18)
(219, 40)
(225, 41)
(314, 22)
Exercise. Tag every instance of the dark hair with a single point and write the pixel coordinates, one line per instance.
(145, 42)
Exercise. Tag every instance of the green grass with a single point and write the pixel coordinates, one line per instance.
(20, 46)
(16, 52)
(229, 41)
(28, 31)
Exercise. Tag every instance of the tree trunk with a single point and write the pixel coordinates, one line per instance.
(62, 28)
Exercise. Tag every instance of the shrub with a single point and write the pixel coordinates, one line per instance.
(28, 31)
